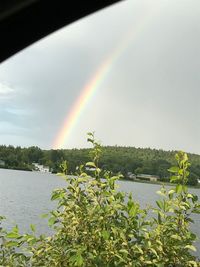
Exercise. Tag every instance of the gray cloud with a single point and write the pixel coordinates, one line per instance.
(150, 97)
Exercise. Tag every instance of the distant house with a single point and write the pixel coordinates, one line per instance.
(2, 162)
(198, 180)
(131, 175)
(45, 169)
(148, 177)
(41, 168)
(90, 169)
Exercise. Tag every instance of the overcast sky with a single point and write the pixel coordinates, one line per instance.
(150, 98)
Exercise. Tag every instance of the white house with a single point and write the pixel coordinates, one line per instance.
(2, 162)
(41, 168)
(131, 175)
(152, 178)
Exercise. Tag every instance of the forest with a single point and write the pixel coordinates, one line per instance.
(114, 158)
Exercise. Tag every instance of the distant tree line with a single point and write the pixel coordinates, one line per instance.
(114, 158)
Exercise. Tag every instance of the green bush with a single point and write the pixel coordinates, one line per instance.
(97, 225)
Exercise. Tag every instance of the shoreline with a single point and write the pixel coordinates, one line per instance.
(122, 179)
(157, 183)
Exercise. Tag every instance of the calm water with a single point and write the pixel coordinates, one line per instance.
(24, 196)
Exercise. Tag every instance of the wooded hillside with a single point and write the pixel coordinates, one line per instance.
(114, 158)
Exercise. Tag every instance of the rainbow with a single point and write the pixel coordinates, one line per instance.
(94, 83)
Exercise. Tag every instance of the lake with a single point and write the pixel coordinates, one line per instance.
(24, 196)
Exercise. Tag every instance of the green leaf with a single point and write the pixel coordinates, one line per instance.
(15, 229)
(185, 188)
(177, 237)
(195, 198)
(82, 179)
(13, 235)
(12, 244)
(191, 247)
(171, 193)
(174, 169)
(174, 178)
(159, 218)
(79, 260)
(192, 263)
(51, 221)
(45, 215)
(179, 188)
(189, 196)
(90, 164)
(32, 226)
(58, 193)
(105, 234)
(154, 251)
(133, 210)
(124, 251)
(159, 204)
(197, 211)
(189, 220)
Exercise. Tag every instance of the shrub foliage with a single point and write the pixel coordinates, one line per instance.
(97, 225)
